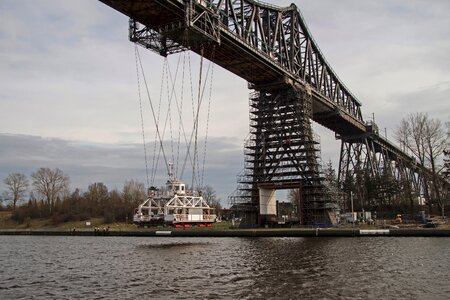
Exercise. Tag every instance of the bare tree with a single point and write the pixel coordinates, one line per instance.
(3, 198)
(434, 139)
(17, 185)
(411, 133)
(446, 166)
(51, 184)
(133, 192)
(210, 196)
(426, 139)
(97, 197)
(295, 197)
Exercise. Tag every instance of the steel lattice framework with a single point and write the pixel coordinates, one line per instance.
(373, 156)
(272, 48)
(282, 152)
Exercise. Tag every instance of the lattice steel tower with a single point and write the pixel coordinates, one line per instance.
(281, 153)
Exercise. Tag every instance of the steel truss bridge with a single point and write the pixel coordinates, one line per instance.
(291, 82)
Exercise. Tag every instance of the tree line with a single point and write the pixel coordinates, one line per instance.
(428, 141)
(50, 197)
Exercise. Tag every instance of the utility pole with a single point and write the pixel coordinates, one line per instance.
(353, 215)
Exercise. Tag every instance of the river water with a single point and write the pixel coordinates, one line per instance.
(51, 267)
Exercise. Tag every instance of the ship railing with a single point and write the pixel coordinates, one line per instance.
(193, 218)
(145, 218)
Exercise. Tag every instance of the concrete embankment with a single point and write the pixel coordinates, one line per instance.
(410, 232)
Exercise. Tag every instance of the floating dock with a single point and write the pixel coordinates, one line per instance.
(318, 232)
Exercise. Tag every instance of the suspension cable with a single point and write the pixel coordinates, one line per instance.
(181, 125)
(153, 112)
(164, 80)
(207, 119)
(196, 119)
(195, 116)
(170, 86)
(180, 112)
(197, 173)
(188, 144)
(156, 157)
(169, 111)
(142, 117)
(173, 96)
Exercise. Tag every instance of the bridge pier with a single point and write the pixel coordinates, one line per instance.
(267, 206)
(282, 153)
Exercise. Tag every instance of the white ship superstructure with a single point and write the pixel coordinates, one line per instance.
(174, 205)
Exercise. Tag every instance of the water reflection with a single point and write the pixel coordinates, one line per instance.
(224, 268)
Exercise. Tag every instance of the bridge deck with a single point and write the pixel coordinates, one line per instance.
(238, 57)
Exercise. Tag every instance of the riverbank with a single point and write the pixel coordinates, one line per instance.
(6, 222)
(291, 232)
(97, 227)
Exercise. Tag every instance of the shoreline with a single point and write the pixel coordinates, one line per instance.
(319, 232)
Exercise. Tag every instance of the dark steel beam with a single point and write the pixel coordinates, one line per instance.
(274, 49)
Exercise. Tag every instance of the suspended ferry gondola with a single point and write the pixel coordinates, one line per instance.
(174, 205)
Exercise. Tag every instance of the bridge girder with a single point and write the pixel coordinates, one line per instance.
(258, 42)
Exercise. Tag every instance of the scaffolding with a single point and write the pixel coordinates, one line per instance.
(282, 153)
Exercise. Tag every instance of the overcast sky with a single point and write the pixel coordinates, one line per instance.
(69, 96)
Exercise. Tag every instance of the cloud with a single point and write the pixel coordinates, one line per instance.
(433, 100)
(113, 164)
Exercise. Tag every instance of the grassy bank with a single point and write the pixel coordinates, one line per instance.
(7, 223)
(42, 224)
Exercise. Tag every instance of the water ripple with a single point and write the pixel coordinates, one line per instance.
(223, 268)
